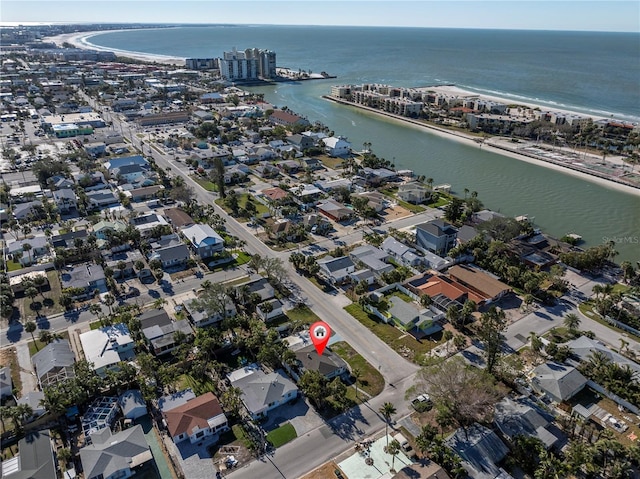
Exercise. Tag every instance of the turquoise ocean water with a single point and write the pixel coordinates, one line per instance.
(593, 73)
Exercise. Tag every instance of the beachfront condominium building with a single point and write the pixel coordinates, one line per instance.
(249, 64)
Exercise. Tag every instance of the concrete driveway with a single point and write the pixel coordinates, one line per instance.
(301, 415)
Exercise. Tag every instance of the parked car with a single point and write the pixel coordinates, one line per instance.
(422, 403)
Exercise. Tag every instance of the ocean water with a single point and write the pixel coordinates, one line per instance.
(594, 73)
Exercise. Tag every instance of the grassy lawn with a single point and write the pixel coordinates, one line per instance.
(239, 434)
(282, 435)
(48, 301)
(330, 162)
(9, 358)
(199, 386)
(241, 258)
(402, 296)
(370, 380)
(586, 308)
(409, 206)
(303, 314)
(237, 281)
(13, 265)
(206, 184)
(442, 200)
(36, 346)
(94, 325)
(242, 202)
(400, 341)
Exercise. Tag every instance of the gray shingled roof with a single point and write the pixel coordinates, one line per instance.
(54, 357)
(559, 380)
(35, 460)
(110, 453)
(523, 417)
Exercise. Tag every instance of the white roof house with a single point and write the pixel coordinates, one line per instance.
(106, 347)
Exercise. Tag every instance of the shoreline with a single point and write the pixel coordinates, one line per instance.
(79, 40)
(470, 140)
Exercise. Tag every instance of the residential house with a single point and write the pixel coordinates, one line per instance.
(259, 286)
(123, 264)
(115, 456)
(379, 176)
(103, 229)
(372, 258)
(445, 292)
(20, 282)
(127, 160)
(204, 240)
(35, 459)
(413, 192)
(65, 200)
(481, 450)
(376, 200)
(236, 173)
(523, 417)
(102, 198)
(301, 142)
(311, 164)
(276, 195)
(196, 419)
(336, 270)
(559, 382)
(479, 281)
(54, 363)
(334, 210)
(329, 364)
(132, 404)
(270, 309)
(266, 170)
(129, 173)
(147, 222)
(200, 318)
(28, 210)
(85, 278)
(145, 193)
(584, 347)
(286, 118)
(159, 330)
(70, 239)
(466, 233)
(17, 252)
(423, 322)
(402, 253)
(105, 347)
(262, 392)
(6, 384)
(95, 149)
(436, 236)
(178, 218)
(336, 146)
(34, 400)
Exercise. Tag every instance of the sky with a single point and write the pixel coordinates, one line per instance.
(611, 16)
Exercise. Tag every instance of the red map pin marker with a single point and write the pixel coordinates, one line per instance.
(320, 333)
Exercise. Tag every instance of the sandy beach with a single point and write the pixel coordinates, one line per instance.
(81, 40)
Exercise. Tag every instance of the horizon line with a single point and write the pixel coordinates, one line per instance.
(85, 23)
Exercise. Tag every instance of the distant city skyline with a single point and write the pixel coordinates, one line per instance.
(572, 15)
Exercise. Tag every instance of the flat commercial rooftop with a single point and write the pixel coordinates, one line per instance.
(356, 467)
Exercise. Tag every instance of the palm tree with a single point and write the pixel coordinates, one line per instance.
(393, 449)
(30, 327)
(44, 337)
(27, 248)
(536, 343)
(109, 300)
(572, 322)
(356, 373)
(39, 281)
(387, 410)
